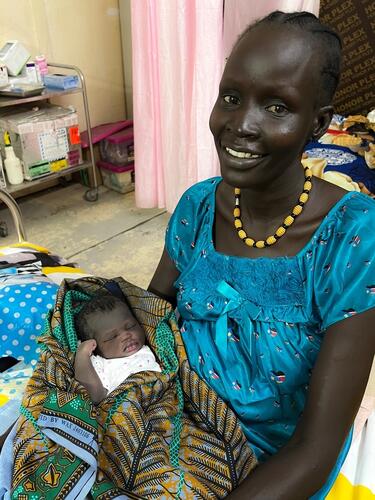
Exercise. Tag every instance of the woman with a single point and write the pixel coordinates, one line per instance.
(272, 271)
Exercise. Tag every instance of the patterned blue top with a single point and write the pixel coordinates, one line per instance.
(253, 327)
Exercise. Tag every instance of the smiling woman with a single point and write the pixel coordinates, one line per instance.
(273, 322)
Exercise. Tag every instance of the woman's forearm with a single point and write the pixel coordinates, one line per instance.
(301, 468)
(295, 473)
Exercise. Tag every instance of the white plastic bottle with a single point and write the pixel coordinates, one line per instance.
(13, 167)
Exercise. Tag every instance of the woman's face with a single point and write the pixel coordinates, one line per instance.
(266, 108)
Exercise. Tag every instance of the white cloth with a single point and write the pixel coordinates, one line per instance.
(114, 371)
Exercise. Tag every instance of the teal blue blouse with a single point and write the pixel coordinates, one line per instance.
(253, 327)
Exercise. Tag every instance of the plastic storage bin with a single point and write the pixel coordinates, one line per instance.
(118, 148)
(118, 178)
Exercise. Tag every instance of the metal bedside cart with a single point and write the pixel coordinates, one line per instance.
(47, 94)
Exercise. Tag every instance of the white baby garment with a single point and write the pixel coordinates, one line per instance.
(114, 371)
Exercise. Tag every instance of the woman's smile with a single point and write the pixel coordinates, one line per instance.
(241, 158)
(242, 154)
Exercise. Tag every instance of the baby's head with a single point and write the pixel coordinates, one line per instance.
(110, 322)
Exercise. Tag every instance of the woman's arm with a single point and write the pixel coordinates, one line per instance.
(85, 373)
(163, 279)
(337, 386)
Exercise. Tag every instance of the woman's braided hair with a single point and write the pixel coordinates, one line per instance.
(330, 46)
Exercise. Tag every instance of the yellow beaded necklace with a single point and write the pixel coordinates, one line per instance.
(281, 230)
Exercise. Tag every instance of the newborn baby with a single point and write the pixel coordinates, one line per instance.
(112, 348)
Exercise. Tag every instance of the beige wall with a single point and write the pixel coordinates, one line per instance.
(126, 37)
(85, 33)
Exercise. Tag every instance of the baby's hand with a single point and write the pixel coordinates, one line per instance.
(87, 347)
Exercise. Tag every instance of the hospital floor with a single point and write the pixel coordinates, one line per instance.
(106, 238)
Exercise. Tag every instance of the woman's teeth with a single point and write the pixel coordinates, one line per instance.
(241, 154)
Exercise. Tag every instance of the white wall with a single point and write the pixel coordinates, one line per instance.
(85, 33)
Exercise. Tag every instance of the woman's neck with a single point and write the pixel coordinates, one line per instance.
(272, 201)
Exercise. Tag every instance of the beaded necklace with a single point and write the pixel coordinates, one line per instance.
(281, 230)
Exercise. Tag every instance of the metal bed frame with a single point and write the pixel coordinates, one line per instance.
(15, 211)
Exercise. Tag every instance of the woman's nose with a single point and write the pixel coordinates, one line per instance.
(244, 123)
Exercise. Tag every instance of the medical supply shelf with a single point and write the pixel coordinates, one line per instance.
(54, 175)
(47, 94)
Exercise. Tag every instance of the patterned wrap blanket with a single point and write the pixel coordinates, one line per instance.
(158, 435)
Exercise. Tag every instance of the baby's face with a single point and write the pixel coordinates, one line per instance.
(117, 333)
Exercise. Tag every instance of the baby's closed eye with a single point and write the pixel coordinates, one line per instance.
(112, 337)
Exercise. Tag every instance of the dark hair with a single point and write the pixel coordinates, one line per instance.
(330, 45)
(100, 303)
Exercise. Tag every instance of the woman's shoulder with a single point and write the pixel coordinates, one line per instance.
(193, 206)
(198, 194)
(344, 268)
(348, 226)
(191, 221)
(354, 210)
(347, 233)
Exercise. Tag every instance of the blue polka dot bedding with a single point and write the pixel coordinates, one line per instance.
(29, 279)
(24, 308)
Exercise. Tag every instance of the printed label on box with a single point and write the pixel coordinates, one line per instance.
(73, 158)
(37, 171)
(53, 144)
(74, 136)
(58, 165)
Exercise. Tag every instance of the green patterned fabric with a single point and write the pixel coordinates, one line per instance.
(158, 435)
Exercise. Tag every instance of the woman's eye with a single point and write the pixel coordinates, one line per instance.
(277, 109)
(231, 99)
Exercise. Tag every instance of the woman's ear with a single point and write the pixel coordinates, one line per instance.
(321, 123)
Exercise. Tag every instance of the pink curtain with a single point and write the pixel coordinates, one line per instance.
(240, 13)
(178, 51)
(177, 47)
